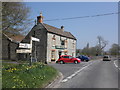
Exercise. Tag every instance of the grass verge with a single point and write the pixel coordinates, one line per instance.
(37, 75)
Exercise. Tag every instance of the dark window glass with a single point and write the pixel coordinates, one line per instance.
(105, 57)
(62, 43)
(65, 56)
(70, 57)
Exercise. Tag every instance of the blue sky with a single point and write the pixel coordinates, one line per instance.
(85, 30)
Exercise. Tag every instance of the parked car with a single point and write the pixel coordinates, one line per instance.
(68, 59)
(83, 58)
(106, 58)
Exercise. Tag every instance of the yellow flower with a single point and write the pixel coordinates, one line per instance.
(13, 87)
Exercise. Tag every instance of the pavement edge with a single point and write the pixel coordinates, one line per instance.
(56, 82)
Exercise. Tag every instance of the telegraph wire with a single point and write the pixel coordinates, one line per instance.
(98, 15)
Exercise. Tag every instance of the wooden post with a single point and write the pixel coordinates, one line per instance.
(31, 51)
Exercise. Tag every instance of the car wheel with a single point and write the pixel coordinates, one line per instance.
(76, 62)
(61, 62)
(86, 60)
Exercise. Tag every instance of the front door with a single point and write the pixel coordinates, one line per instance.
(60, 53)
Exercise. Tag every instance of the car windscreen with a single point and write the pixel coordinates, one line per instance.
(105, 57)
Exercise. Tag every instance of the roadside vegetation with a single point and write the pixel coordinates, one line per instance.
(38, 75)
(99, 49)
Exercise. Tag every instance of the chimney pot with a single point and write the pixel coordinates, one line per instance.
(62, 27)
(40, 18)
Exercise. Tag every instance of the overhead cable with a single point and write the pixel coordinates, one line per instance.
(105, 14)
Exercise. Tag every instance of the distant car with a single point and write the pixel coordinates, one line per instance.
(68, 59)
(83, 58)
(106, 58)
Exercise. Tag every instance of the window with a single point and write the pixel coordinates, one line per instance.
(65, 56)
(66, 43)
(53, 37)
(65, 53)
(73, 54)
(34, 34)
(70, 57)
(53, 41)
(52, 55)
(62, 42)
(73, 44)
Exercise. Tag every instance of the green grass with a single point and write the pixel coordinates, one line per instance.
(24, 76)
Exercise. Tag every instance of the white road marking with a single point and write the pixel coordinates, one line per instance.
(71, 76)
(65, 80)
(116, 64)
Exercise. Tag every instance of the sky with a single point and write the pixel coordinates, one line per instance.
(85, 30)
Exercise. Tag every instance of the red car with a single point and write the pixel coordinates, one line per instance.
(68, 59)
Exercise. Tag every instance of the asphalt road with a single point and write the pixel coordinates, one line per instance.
(92, 74)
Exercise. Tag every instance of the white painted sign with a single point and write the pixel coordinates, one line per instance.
(34, 39)
(23, 51)
(25, 45)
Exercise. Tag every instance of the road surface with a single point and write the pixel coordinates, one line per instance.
(92, 74)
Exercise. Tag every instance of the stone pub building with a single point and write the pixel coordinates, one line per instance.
(53, 43)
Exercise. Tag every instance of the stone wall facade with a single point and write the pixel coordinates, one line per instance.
(8, 49)
(39, 49)
(55, 47)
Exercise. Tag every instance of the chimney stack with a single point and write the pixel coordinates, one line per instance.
(40, 18)
(62, 28)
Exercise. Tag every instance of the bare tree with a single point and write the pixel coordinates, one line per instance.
(15, 17)
(101, 44)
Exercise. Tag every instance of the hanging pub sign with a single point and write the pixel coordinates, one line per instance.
(34, 39)
(23, 51)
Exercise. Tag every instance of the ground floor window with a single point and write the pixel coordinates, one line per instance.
(60, 53)
(53, 55)
(73, 54)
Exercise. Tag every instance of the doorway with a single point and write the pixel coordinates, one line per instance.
(60, 53)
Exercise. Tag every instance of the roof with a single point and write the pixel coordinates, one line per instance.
(14, 37)
(18, 38)
(58, 31)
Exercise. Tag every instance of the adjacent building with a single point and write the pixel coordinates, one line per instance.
(9, 44)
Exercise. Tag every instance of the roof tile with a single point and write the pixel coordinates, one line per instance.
(58, 31)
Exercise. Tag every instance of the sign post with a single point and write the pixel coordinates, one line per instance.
(31, 51)
(23, 51)
(27, 48)
(33, 39)
(25, 45)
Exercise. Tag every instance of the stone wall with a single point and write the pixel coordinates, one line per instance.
(70, 48)
(39, 49)
(8, 49)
